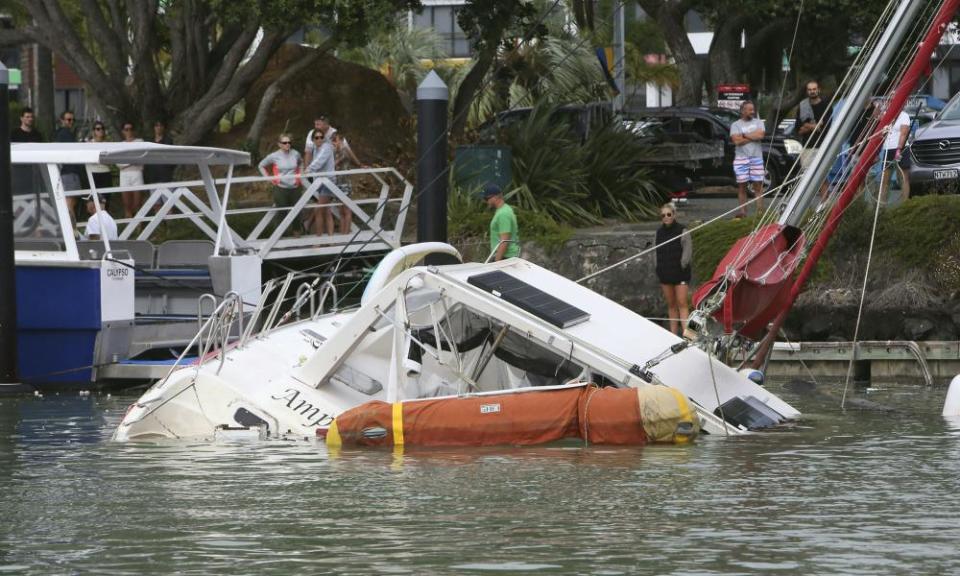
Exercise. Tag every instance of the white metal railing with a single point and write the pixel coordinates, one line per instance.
(377, 218)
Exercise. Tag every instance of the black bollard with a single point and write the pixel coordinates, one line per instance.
(9, 382)
(432, 98)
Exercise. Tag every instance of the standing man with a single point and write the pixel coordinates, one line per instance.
(25, 132)
(159, 173)
(897, 134)
(746, 133)
(812, 119)
(70, 174)
(23, 179)
(504, 233)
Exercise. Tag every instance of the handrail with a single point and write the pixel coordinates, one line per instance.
(203, 203)
(267, 291)
(226, 303)
(325, 289)
(277, 304)
(200, 300)
(306, 288)
(494, 251)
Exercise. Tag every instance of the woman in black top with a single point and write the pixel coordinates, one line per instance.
(673, 267)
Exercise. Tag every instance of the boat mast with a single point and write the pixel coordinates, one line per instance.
(907, 84)
(872, 71)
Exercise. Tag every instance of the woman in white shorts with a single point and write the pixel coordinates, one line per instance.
(130, 175)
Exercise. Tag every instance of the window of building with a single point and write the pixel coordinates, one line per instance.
(443, 20)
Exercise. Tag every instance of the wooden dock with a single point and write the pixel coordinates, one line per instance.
(883, 361)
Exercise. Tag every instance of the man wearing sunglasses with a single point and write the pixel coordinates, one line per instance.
(70, 174)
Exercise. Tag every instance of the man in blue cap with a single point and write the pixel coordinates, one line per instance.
(504, 233)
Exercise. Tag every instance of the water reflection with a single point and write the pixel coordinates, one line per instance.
(858, 492)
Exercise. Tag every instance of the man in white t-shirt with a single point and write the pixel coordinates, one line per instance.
(101, 223)
(897, 134)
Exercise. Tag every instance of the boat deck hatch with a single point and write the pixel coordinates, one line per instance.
(529, 298)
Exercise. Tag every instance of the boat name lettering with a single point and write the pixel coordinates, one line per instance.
(489, 408)
(118, 273)
(313, 415)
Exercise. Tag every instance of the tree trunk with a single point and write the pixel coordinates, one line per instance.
(45, 114)
(270, 94)
(583, 15)
(467, 91)
(196, 122)
(669, 15)
(725, 55)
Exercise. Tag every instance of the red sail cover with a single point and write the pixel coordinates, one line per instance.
(756, 273)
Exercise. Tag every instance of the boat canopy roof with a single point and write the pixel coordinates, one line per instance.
(122, 153)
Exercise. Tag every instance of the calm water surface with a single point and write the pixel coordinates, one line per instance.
(853, 493)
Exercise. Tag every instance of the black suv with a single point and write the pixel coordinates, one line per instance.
(705, 127)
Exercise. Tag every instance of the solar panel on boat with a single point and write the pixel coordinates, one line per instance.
(529, 298)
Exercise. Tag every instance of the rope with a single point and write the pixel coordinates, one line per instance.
(586, 420)
(686, 232)
(863, 294)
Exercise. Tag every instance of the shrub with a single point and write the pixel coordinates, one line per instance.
(574, 182)
(711, 243)
(469, 224)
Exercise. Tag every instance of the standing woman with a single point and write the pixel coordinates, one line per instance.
(131, 175)
(286, 166)
(673, 267)
(102, 177)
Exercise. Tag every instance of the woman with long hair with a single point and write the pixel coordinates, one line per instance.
(674, 258)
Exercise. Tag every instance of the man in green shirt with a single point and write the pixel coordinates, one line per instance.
(504, 234)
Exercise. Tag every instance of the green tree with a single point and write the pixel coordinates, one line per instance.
(188, 61)
(826, 29)
(490, 25)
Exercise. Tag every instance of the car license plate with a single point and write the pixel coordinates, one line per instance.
(945, 174)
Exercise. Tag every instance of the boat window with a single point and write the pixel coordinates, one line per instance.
(487, 347)
(36, 222)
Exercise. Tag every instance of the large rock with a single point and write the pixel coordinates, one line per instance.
(917, 328)
(360, 102)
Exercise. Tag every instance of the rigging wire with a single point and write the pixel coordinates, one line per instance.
(863, 294)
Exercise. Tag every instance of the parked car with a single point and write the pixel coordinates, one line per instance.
(580, 118)
(935, 152)
(711, 126)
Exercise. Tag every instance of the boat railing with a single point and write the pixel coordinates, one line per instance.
(215, 334)
(215, 329)
(494, 251)
(371, 199)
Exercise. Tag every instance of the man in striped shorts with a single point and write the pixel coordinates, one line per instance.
(746, 133)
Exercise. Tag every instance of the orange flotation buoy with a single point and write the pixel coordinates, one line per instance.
(625, 416)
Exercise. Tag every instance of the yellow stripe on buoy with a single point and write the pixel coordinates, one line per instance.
(682, 404)
(397, 424)
(333, 435)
